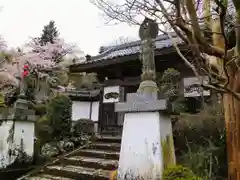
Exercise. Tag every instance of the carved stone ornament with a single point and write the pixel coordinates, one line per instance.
(147, 32)
(149, 28)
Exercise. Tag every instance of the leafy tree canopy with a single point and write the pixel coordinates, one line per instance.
(49, 33)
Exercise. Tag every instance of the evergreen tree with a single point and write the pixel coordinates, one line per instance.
(49, 33)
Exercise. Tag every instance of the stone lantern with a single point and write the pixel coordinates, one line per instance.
(17, 131)
(147, 143)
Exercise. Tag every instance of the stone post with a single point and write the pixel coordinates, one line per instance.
(147, 143)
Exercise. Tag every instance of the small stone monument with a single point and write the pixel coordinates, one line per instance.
(147, 144)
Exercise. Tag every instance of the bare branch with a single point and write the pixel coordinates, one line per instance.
(186, 19)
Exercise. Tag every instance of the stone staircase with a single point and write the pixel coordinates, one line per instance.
(92, 163)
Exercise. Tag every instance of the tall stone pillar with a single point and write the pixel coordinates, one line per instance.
(147, 143)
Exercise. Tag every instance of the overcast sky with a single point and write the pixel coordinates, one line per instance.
(78, 21)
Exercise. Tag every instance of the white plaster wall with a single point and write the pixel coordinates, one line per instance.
(80, 110)
(23, 130)
(108, 90)
(95, 111)
(141, 153)
(4, 145)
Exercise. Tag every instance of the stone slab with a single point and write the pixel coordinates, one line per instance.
(141, 102)
(21, 104)
(144, 106)
(18, 114)
(140, 97)
(31, 118)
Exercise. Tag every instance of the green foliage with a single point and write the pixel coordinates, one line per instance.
(200, 142)
(178, 105)
(49, 33)
(43, 129)
(199, 128)
(59, 115)
(40, 109)
(208, 162)
(83, 126)
(199, 139)
(168, 82)
(168, 151)
(170, 75)
(179, 172)
(2, 102)
(55, 121)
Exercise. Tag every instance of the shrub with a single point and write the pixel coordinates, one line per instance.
(43, 129)
(199, 128)
(179, 173)
(43, 133)
(59, 112)
(2, 103)
(40, 109)
(206, 162)
(200, 142)
(83, 126)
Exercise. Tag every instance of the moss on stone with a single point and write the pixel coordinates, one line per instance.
(113, 175)
(178, 172)
(148, 75)
(148, 86)
(168, 152)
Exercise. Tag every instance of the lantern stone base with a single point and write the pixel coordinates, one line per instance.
(146, 129)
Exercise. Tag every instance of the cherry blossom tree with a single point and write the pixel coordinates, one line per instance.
(5, 57)
(41, 62)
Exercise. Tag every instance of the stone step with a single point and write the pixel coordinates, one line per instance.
(106, 146)
(96, 163)
(110, 133)
(108, 139)
(77, 172)
(97, 154)
(47, 177)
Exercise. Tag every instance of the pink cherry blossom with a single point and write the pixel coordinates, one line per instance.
(37, 57)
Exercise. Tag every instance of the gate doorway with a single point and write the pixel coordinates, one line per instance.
(109, 124)
(110, 121)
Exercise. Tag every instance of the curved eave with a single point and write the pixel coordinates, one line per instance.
(91, 95)
(86, 98)
(83, 67)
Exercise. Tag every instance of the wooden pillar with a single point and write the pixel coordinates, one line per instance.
(121, 114)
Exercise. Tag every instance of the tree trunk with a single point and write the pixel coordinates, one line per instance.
(232, 119)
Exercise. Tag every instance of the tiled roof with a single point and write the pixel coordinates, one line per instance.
(162, 41)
